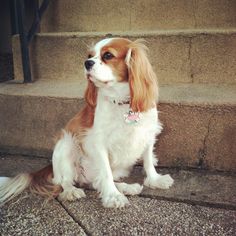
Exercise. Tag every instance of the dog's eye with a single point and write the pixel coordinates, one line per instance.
(107, 56)
(89, 56)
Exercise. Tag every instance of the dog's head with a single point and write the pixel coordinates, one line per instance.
(119, 60)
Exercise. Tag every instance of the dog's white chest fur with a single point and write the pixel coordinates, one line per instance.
(124, 142)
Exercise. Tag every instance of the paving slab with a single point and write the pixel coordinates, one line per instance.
(12, 165)
(199, 203)
(194, 186)
(147, 216)
(32, 215)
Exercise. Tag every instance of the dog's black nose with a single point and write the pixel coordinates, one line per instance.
(89, 64)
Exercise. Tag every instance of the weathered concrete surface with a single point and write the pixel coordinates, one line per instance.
(198, 94)
(207, 95)
(123, 15)
(12, 165)
(144, 216)
(31, 215)
(197, 136)
(32, 123)
(33, 120)
(206, 58)
(199, 121)
(177, 56)
(147, 214)
(191, 186)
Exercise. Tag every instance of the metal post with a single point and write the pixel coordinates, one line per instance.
(38, 15)
(14, 18)
(18, 27)
(20, 6)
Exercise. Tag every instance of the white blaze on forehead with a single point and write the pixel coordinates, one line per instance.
(101, 44)
(101, 72)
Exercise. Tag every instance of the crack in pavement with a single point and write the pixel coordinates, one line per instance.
(192, 202)
(74, 219)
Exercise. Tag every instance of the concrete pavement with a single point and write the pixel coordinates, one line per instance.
(200, 203)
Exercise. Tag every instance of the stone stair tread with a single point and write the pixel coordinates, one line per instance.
(45, 88)
(190, 32)
(188, 94)
(177, 56)
(102, 15)
(196, 94)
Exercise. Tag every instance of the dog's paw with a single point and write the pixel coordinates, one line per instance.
(129, 189)
(71, 194)
(159, 181)
(115, 200)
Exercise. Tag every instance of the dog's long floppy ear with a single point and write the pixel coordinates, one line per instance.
(142, 79)
(91, 94)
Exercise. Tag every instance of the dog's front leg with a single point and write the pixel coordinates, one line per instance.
(153, 179)
(103, 180)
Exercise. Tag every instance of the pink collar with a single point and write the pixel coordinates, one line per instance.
(118, 102)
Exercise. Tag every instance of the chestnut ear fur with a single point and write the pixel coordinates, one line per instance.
(142, 79)
(91, 94)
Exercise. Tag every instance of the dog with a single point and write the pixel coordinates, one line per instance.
(115, 129)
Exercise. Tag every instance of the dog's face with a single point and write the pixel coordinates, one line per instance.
(106, 63)
(119, 60)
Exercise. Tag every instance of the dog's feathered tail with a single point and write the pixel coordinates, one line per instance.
(11, 187)
(39, 182)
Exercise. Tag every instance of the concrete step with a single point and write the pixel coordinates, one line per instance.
(199, 121)
(187, 56)
(129, 15)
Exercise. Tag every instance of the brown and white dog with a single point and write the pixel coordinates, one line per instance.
(116, 128)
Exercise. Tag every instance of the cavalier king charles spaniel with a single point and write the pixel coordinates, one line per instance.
(115, 129)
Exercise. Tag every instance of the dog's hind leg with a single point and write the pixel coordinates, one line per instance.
(66, 161)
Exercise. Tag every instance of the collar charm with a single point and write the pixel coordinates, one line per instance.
(132, 117)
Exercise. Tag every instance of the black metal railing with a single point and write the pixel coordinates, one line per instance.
(19, 26)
